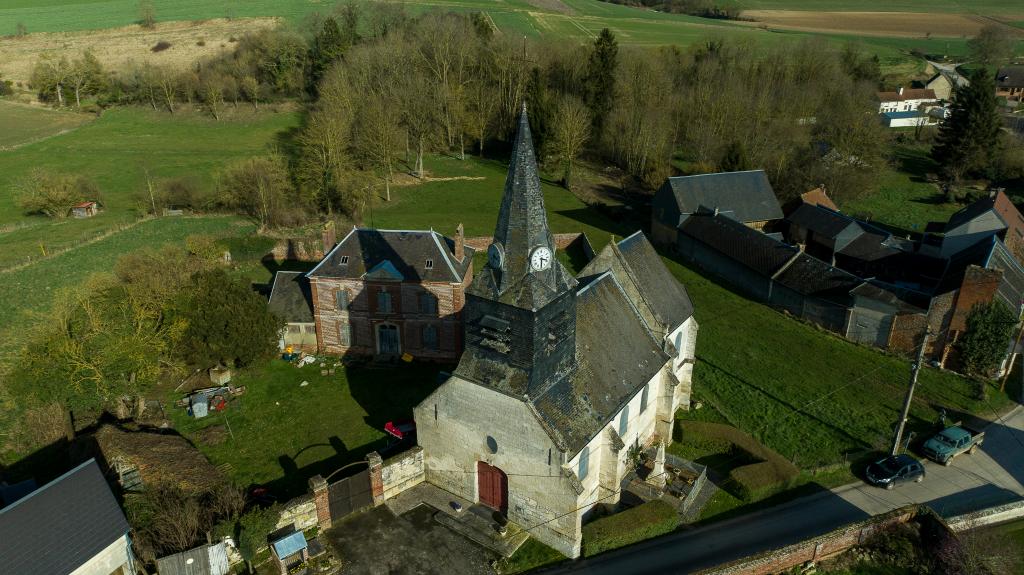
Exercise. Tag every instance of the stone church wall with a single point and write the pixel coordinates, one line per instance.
(540, 497)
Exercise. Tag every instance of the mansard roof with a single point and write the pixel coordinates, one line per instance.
(660, 298)
(394, 255)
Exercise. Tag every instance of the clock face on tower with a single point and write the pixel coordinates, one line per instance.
(495, 255)
(540, 259)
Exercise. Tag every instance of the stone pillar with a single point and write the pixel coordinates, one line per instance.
(657, 477)
(376, 477)
(460, 244)
(318, 486)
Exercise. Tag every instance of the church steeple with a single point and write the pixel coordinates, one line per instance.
(521, 267)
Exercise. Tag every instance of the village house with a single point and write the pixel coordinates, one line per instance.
(906, 100)
(387, 293)
(1010, 82)
(292, 301)
(746, 197)
(994, 214)
(944, 83)
(561, 376)
(71, 525)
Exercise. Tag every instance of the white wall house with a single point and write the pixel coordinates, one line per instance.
(906, 100)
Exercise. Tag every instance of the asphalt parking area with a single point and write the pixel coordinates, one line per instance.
(377, 542)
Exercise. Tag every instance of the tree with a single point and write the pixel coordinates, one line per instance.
(324, 158)
(50, 194)
(600, 80)
(86, 76)
(258, 187)
(147, 14)
(735, 158)
(328, 46)
(213, 96)
(226, 322)
(50, 77)
(968, 140)
(250, 88)
(255, 527)
(992, 46)
(570, 129)
(989, 329)
(167, 82)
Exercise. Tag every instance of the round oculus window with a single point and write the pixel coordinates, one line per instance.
(492, 444)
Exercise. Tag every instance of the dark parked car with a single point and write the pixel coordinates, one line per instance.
(894, 469)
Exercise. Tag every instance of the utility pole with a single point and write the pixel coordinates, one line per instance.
(914, 370)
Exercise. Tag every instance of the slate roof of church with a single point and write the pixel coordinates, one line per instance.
(62, 525)
(744, 196)
(643, 276)
(291, 298)
(406, 250)
(617, 356)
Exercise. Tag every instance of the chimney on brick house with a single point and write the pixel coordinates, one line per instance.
(460, 244)
(329, 237)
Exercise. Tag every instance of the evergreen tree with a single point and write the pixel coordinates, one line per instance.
(989, 329)
(600, 80)
(968, 141)
(328, 46)
(735, 158)
(226, 322)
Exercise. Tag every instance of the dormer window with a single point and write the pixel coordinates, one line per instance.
(430, 264)
(344, 260)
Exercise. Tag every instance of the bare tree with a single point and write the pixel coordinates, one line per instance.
(569, 132)
(250, 88)
(85, 76)
(147, 14)
(213, 97)
(50, 76)
(324, 159)
(258, 187)
(167, 83)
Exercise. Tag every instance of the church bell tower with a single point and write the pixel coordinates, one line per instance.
(520, 313)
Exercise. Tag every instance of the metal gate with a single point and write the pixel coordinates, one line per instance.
(350, 494)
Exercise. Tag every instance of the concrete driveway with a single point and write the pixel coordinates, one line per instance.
(377, 542)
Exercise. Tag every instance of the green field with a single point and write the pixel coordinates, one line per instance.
(25, 124)
(960, 6)
(114, 151)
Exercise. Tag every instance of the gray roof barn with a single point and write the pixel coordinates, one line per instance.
(290, 298)
(661, 300)
(753, 249)
(394, 255)
(62, 525)
(203, 560)
(1010, 77)
(743, 196)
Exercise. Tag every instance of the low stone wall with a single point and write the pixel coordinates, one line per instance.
(298, 249)
(990, 516)
(300, 512)
(402, 472)
(814, 549)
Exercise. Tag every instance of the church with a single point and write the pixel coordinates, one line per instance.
(560, 375)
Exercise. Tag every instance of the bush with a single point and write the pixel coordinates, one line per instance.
(49, 194)
(645, 521)
(160, 46)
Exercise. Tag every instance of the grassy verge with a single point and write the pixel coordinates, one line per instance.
(280, 432)
(532, 555)
(630, 526)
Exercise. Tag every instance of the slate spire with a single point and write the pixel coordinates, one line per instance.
(521, 229)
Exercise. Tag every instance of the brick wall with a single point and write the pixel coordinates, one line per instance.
(907, 331)
(402, 472)
(979, 286)
(814, 549)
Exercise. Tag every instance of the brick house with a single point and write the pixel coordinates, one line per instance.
(386, 293)
(561, 375)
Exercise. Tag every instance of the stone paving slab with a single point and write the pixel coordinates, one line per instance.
(477, 525)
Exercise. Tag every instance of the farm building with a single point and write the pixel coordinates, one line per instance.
(1010, 82)
(746, 197)
(905, 100)
(209, 559)
(560, 375)
(944, 83)
(993, 214)
(291, 300)
(386, 293)
(71, 525)
(85, 209)
(906, 119)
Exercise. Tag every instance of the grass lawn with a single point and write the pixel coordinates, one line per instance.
(532, 555)
(113, 151)
(23, 124)
(905, 201)
(283, 433)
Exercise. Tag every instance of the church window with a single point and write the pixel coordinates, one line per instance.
(383, 301)
(643, 398)
(428, 303)
(341, 299)
(584, 462)
(492, 444)
(549, 456)
(430, 264)
(624, 421)
(430, 337)
(435, 412)
(344, 260)
(345, 334)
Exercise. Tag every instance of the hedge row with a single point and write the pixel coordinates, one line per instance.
(770, 472)
(642, 522)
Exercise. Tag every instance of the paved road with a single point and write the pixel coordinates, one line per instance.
(989, 477)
